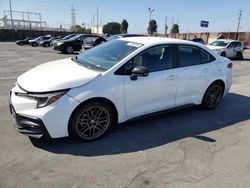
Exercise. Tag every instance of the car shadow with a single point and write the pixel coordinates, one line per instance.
(158, 130)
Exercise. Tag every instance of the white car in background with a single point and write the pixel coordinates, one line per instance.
(116, 81)
(232, 49)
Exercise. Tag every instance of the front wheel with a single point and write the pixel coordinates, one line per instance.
(91, 121)
(69, 50)
(212, 96)
(223, 54)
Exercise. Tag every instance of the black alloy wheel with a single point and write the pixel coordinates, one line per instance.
(91, 121)
(213, 96)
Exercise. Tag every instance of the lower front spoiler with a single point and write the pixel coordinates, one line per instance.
(29, 126)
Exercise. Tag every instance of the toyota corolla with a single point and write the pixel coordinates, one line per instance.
(85, 96)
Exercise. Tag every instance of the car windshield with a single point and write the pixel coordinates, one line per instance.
(114, 37)
(68, 37)
(75, 37)
(219, 43)
(107, 55)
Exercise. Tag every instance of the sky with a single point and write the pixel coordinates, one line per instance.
(222, 15)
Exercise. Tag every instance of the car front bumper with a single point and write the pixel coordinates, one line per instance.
(29, 126)
(51, 120)
(58, 48)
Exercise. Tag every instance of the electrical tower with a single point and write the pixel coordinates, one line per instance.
(238, 26)
(73, 17)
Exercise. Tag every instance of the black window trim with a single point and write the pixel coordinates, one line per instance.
(122, 72)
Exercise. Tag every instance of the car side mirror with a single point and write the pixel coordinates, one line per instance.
(139, 71)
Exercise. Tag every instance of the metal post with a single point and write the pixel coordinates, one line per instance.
(12, 25)
(97, 20)
(151, 10)
(237, 34)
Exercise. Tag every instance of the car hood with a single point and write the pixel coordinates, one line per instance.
(215, 47)
(56, 75)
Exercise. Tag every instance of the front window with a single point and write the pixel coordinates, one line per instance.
(107, 55)
(219, 43)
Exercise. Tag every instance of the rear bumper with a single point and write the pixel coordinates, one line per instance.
(28, 125)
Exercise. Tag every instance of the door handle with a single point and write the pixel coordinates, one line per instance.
(171, 77)
(205, 70)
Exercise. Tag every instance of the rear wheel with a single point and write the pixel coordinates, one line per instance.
(213, 96)
(91, 121)
(239, 56)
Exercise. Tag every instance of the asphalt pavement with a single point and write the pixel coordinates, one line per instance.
(184, 148)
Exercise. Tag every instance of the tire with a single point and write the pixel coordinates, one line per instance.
(223, 54)
(212, 96)
(46, 45)
(239, 56)
(34, 44)
(91, 121)
(69, 50)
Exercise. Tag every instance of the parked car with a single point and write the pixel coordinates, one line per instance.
(228, 48)
(35, 42)
(73, 44)
(199, 40)
(22, 42)
(123, 36)
(91, 42)
(46, 43)
(67, 37)
(85, 96)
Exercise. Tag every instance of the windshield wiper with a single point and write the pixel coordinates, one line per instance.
(81, 63)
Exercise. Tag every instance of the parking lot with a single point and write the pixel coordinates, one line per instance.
(185, 148)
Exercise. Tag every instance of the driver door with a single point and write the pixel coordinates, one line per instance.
(157, 90)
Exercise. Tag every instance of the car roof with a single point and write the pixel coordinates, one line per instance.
(156, 40)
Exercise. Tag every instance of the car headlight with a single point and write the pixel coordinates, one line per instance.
(44, 99)
(217, 50)
(59, 43)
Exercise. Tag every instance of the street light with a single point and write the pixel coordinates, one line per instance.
(151, 10)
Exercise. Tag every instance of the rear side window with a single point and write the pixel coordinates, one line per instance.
(188, 55)
(191, 55)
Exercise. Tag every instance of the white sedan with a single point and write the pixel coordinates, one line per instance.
(85, 96)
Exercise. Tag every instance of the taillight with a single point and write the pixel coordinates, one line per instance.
(230, 65)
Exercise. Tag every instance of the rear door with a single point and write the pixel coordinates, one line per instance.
(195, 66)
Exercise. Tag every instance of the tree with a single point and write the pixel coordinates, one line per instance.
(175, 29)
(111, 28)
(124, 26)
(79, 29)
(152, 27)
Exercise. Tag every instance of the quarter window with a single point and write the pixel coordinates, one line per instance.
(206, 57)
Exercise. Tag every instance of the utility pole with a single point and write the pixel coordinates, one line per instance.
(238, 27)
(166, 25)
(151, 10)
(12, 25)
(97, 20)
